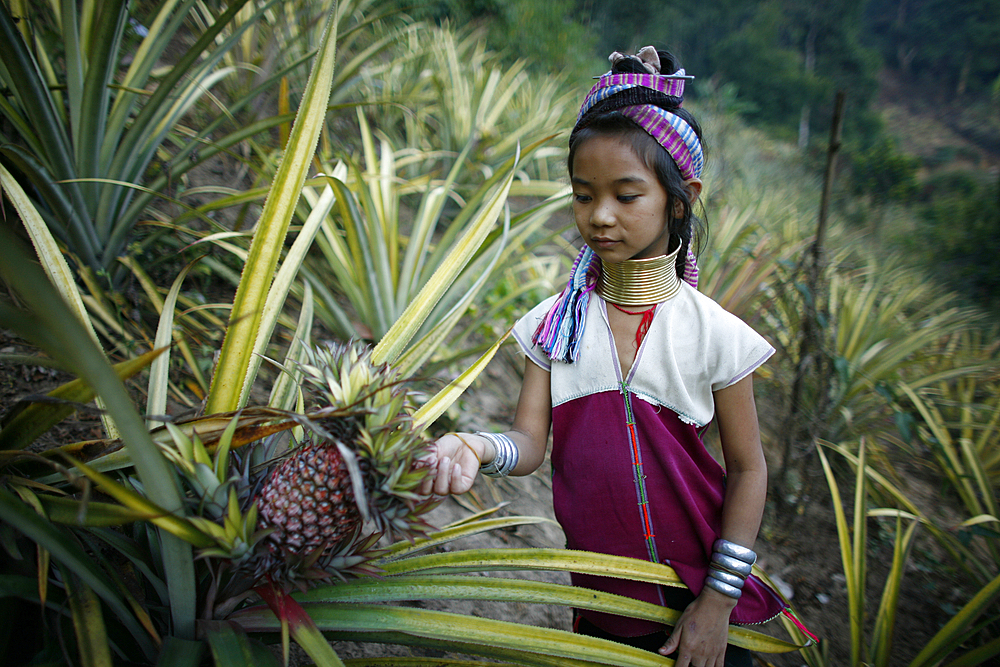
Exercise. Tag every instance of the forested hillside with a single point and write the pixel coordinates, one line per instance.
(783, 55)
(922, 79)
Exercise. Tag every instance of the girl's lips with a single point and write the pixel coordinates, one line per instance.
(603, 242)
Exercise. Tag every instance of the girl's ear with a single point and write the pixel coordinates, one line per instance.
(693, 189)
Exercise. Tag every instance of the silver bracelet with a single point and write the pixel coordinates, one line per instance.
(724, 588)
(733, 580)
(505, 457)
(730, 564)
(727, 548)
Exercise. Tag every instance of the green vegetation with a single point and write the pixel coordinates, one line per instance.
(961, 234)
(783, 60)
(76, 118)
(196, 230)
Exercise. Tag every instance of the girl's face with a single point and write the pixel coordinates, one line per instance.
(619, 204)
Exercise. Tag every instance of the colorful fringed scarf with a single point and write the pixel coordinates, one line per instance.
(560, 332)
(691, 269)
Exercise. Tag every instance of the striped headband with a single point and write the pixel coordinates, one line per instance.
(670, 130)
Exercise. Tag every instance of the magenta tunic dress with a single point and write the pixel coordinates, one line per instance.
(630, 473)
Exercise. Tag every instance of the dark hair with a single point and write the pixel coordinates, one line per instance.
(606, 119)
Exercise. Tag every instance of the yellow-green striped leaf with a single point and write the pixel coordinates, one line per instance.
(265, 249)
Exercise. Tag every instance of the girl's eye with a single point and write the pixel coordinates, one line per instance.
(627, 198)
(581, 198)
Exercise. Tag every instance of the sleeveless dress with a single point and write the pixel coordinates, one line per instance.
(630, 473)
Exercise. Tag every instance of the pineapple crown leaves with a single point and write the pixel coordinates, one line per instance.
(344, 376)
(394, 479)
(395, 453)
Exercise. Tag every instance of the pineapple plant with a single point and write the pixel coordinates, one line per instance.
(355, 478)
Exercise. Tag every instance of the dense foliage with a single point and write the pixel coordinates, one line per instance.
(951, 46)
(553, 35)
(782, 54)
(963, 237)
(784, 59)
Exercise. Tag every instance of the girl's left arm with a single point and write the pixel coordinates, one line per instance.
(701, 633)
(746, 469)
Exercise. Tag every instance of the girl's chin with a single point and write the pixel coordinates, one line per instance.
(616, 256)
(609, 252)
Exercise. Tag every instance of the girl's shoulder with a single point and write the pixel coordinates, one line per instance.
(524, 330)
(701, 302)
(693, 312)
(700, 312)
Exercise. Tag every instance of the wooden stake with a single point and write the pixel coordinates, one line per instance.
(812, 339)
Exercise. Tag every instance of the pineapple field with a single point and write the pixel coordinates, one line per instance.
(255, 257)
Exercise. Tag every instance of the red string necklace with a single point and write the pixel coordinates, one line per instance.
(644, 323)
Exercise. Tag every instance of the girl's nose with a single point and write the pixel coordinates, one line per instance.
(603, 215)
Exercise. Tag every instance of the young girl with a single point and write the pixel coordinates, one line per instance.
(628, 365)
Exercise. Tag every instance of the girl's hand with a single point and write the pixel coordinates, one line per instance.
(454, 462)
(702, 632)
(455, 458)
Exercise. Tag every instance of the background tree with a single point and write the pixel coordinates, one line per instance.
(954, 44)
(552, 34)
(784, 56)
(963, 237)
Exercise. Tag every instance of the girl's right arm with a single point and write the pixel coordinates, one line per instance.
(456, 458)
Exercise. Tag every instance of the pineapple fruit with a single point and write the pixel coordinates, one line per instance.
(355, 478)
(308, 502)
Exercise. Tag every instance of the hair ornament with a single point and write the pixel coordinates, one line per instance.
(611, 84)
(647, 57)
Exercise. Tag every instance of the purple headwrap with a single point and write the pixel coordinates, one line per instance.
(670, 130)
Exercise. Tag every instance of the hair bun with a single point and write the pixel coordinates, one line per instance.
(647, 61)
(668, 62)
